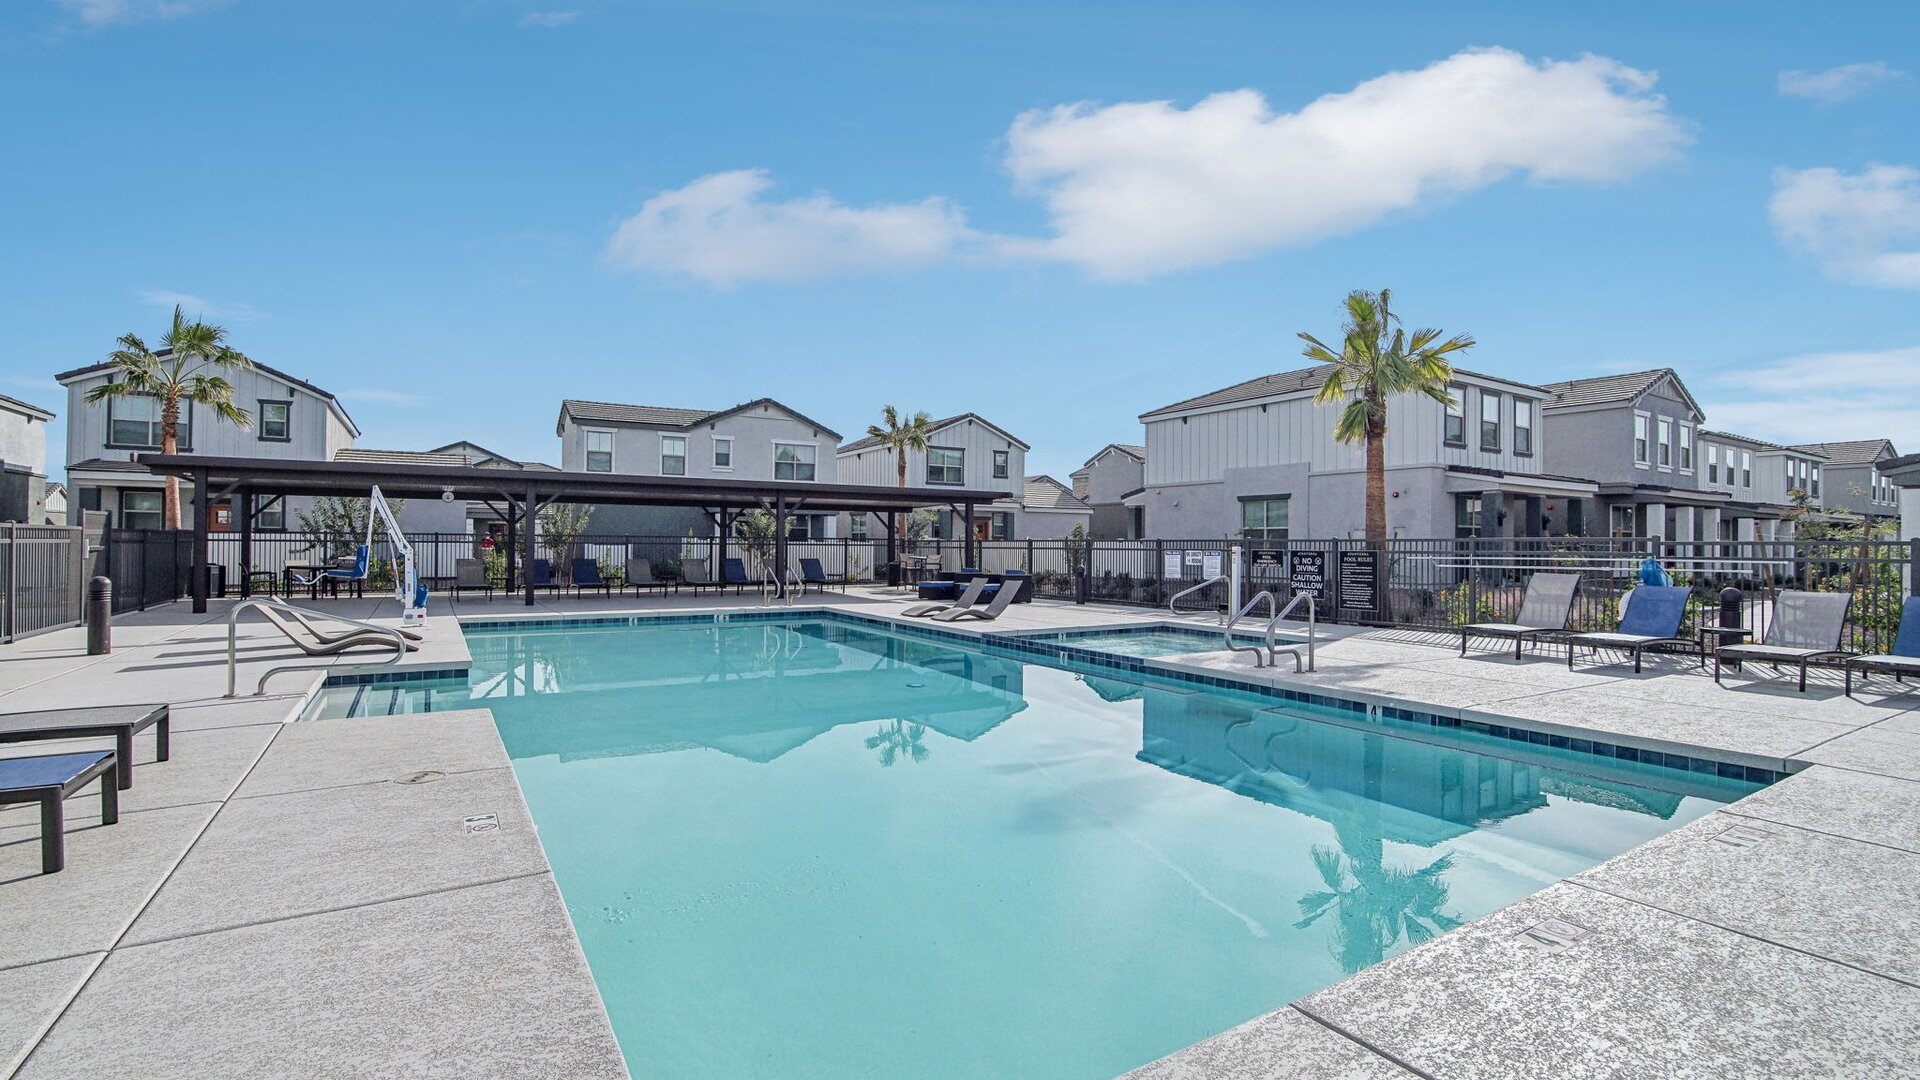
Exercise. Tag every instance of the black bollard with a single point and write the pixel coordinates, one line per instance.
(1732, 603)
(100, 616)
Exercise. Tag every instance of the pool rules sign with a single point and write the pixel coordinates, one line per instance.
(1359, 576)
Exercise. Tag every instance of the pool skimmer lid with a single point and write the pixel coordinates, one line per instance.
(1742, 836)
(1551, 936)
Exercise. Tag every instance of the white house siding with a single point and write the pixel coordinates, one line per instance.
(1910, 513)
(1104, 482)
(977, 441)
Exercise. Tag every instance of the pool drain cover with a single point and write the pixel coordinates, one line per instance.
(1742, 836)
(480, 823)
(1552, 936)
(424, 776)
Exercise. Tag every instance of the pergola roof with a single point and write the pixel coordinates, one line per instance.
(414, 481)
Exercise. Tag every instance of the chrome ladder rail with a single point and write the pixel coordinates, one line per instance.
(1259, 659)
(233, 641)
(1174, 601)
(1313, 632)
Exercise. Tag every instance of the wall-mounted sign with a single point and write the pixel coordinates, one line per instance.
(1266, 557)
(1212, 565)
(1360, 581)
(1307, 573)
(1170, 564)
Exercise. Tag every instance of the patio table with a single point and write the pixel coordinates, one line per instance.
(49, 780)
(1720, 634)
(122, 722)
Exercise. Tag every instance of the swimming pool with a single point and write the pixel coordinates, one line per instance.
(809, 847)
(1151, 640)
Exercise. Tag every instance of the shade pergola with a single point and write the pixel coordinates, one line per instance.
(518, 495)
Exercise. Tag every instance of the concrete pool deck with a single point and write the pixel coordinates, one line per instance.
(276, 900)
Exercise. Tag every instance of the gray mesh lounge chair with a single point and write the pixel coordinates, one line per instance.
(640, 576)
(694, 574)
(968, 597)
(1903, 659)
(1002, 596)
(1543, 611)
(1806, 626)
(337, 644)
(471, 575)
(1653, 617)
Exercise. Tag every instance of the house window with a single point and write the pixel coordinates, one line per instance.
(946, 465)
(723, 452)
(1664, 443)
(1137, 525)
(1456, 416)
(270, 513)
(1522, 427)
(1713, 463)
(1490, 421)
(996, 526)
(806, 527)
(1815, 490)
(141, 510)
(1686, 448)
(1620, 521)
(793, 461)
(857, 527)
(1746, 468)
(276, 421)
(1468, 516)
(1264, 519)
(599, 451)
(1000, 464)
(1640, 440)
(133, 423)
(673, 455)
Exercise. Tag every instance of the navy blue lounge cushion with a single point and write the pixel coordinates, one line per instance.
(49, 770)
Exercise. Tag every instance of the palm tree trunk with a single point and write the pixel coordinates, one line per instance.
(899, 520)
(1376, 481)
(170, 444)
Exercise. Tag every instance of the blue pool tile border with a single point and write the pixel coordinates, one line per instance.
(364, 678)
(1017, 645)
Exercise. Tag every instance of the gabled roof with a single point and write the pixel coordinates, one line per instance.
(16, 405)
(666, 416)
(1616, 390)
(1137, 453)
(1045, 493)
(333, 402)
(1288, 382)
(870, 442)
(1761, 444)
(487, 458)
(1856, 452)
(399, 457)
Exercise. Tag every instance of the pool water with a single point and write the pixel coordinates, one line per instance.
(807, 848)
(1159, 641)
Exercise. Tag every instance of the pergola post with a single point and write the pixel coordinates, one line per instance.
(780, 545)
(201, 504)
(528, 516)
(893, 552)
(513, 538)
(245, 495)
(721, 524)
(967, 550)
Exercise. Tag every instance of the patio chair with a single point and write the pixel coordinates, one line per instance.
(1806, 626)
(1902, 660)
(328, 637)
(471, 574)
(693, 574)
(640, 576)
(1653, 617)
(586, 575)
(540, 575)
(1002, 596)
(120, 722)
(734, 572)
(336, 644)
(967, 599)
(1544, 610)
(49, 780)
(814, 576)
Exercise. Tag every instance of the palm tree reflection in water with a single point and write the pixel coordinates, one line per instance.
(897, 738)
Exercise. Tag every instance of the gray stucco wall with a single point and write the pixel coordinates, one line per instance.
(23, 442)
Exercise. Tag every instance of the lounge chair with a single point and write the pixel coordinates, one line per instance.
(967, 599)
(328, 637)
(1903, 660)
(640, 576)
(1544, 610)
(693, 574)
(1806, 626)
(1653, 617)
(814, 576)
(540, 575)
(49, 780)
(734, 572)
(121, 722)
(1002, 596)
(471, 574)
(336, 644)
(586, 575)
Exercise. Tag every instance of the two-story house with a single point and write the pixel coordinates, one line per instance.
(292, 419)
(964, 451)
(23, 461)
(1259, 459)
(1637, 435)
(1116, 471)
(1852, 480)
(760, 440)
(1049, 510)
(1761, 477)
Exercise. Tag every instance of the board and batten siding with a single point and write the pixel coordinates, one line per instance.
(315, 431)
(1200, 448)
(636, 449)
(875, 465)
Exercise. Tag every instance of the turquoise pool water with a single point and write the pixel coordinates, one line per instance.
(810, 849)
(1163, 641)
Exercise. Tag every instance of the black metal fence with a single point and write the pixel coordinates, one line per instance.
(42, 578)
(147, 567)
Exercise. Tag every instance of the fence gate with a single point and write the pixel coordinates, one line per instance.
(42, 578)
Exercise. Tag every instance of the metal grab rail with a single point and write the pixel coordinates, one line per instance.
(1174, 600)
(770, 587)
(1313, 631)
(233, 640)
(1227, 630)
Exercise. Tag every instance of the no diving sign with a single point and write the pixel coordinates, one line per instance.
(481, 823)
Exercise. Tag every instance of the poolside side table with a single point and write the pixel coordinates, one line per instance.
(122, 722)
(1719, 634)
(49, 780)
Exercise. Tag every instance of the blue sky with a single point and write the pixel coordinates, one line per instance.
(456, 214)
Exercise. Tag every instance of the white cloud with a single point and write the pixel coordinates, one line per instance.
(548, 19)
(1863, 227)
(1815, 398)
(110, 12)
(1143, 187)
(379, 396)
(722, 230)
(199, 307)
(1837, 84)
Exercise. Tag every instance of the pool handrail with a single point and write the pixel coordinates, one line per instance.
(1227, 630)
(1313, 631)
(1174, 601)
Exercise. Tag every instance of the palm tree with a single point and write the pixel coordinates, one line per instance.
(1376, 361)
(187, 367)
(901, 438)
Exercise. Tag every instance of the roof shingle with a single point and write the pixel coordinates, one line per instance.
(1045, 493)
(1285, 382)
(1854, 452)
